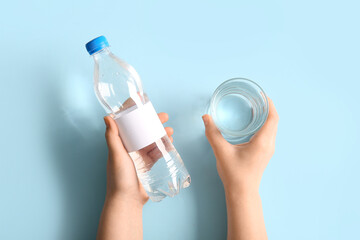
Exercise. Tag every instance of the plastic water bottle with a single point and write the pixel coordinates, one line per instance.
(119, 90)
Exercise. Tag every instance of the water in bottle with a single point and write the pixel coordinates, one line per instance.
(119, 90)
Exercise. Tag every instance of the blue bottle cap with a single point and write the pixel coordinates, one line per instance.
(96, 44)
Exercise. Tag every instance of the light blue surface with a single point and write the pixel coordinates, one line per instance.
(305, 54)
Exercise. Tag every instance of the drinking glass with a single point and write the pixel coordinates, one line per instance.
(239, 108)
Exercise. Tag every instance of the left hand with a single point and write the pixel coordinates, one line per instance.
(122, 180)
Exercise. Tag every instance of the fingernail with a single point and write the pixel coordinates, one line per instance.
(205, 120)
(106, 122)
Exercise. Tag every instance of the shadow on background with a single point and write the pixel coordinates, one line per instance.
(79, 155)
(200, 161)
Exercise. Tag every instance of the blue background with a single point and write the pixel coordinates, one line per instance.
(305, 54)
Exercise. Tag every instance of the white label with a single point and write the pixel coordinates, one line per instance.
(139, 126)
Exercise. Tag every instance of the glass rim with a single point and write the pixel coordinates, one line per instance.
(242, 133)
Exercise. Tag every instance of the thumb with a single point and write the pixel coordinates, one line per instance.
(113, 140)
(213, 134)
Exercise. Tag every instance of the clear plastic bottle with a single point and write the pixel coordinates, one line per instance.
(119, 90)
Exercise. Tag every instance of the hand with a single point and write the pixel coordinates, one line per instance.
(240, 167)
(122, 180)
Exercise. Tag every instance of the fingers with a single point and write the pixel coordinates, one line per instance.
(164, 117)
(268, 131)
(169, 131)
(113, 139)
(213, 134)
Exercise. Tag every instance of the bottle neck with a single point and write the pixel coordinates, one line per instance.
(103, 53)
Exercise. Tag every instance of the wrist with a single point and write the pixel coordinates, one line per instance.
(242, 185)
(240, 191)
(238, 199)
(125, 200)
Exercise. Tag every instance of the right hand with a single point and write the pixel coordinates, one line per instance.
(240, 167)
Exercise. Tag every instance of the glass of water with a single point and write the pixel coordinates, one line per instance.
(239, 108)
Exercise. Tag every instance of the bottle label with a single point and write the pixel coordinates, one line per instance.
(139, 126)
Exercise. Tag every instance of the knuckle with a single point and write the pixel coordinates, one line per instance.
(262, 143)
(277, 118)
(107, 134)
(274, 116)
(208, 133)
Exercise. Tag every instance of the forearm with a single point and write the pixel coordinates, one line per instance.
(245, 216)
(120, 219)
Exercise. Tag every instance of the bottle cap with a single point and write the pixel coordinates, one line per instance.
(96, 44)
